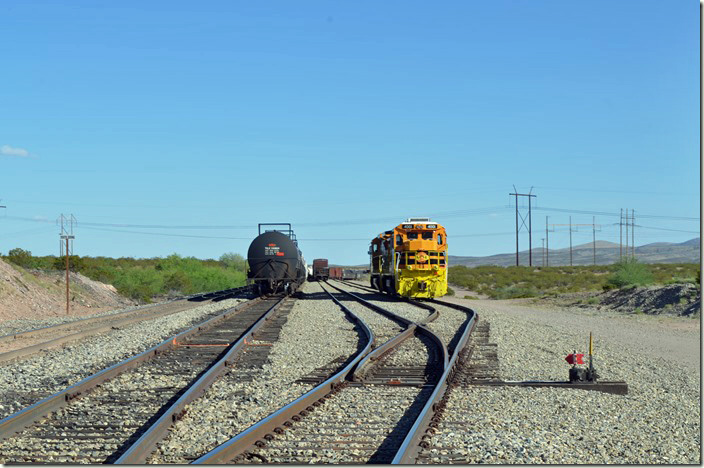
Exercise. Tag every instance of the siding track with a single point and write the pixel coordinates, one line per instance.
(372, 412)
(105, 416)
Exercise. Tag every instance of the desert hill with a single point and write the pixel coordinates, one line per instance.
(583, 254)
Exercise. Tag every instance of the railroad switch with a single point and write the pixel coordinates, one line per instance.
(580, 374)
(579, 378)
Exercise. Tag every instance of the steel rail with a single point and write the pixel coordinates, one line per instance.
(88, 320)
(25, 417)
(262, 430)
(413, 442)
(255, 433)
(419, 326)
(85, 321)
(32, 349)
(364, 365)
(138, 452)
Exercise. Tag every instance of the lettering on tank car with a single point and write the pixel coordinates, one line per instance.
(272, 249)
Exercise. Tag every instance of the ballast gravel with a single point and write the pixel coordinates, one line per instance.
(658, 422)
(25, 382)
(402, 308)
(349, 428)
(315, 334)
(15, 326)
(382, 327)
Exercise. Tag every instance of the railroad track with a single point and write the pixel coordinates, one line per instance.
(448, 325)
(23, 344)
(477, 363)
(99, 419)
(349, 418)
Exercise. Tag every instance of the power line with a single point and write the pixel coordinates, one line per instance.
(616, 215)
(666, 229)
(165, 234)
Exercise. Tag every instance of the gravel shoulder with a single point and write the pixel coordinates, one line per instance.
(657, 422)
(672, 338)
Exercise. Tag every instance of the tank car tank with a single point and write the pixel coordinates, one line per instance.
(276, 264)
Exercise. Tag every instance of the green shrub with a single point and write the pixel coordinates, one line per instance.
(630, 273)
(450, 291)
(513, 292)
(21, 257)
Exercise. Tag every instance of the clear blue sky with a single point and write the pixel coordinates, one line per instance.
(344, 119)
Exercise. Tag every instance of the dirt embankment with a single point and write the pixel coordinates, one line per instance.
(675, 299)
(33, 294)
(682, 299)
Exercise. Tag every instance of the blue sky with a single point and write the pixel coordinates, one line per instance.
(344, 119)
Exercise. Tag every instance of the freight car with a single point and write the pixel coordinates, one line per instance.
(410, 260)
(348, 274)
(320, 269)
(335, 273)
(275, 262)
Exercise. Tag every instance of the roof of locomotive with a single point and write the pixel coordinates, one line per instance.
(419, 223)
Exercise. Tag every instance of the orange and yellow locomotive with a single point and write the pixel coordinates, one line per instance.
(410, 260)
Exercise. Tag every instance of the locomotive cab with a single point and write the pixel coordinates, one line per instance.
(411, 259)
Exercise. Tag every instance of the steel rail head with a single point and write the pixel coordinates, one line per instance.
(258, 431)
(23, 418)
(410, 447)
(83, 321)
(438, 343)
(417, 326)
(376, 308)
(124, 321)
(138, 452)
(363, 366)
(434, 313)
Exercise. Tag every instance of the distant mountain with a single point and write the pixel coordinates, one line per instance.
(606, 253)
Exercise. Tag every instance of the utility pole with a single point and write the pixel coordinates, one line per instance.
(547, 244)
(633, 233)
(593, 225)
(543, 239)
(67, 234)
(620, 237)
(626, 233)
(594, 236)
(523, 223)
(570, 240)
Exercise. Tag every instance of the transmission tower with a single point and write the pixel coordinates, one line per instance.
(625, 218)
(523, 223)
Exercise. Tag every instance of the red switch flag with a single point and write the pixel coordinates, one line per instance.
(575, 358)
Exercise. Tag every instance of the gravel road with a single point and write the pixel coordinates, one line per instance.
(657, 422)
